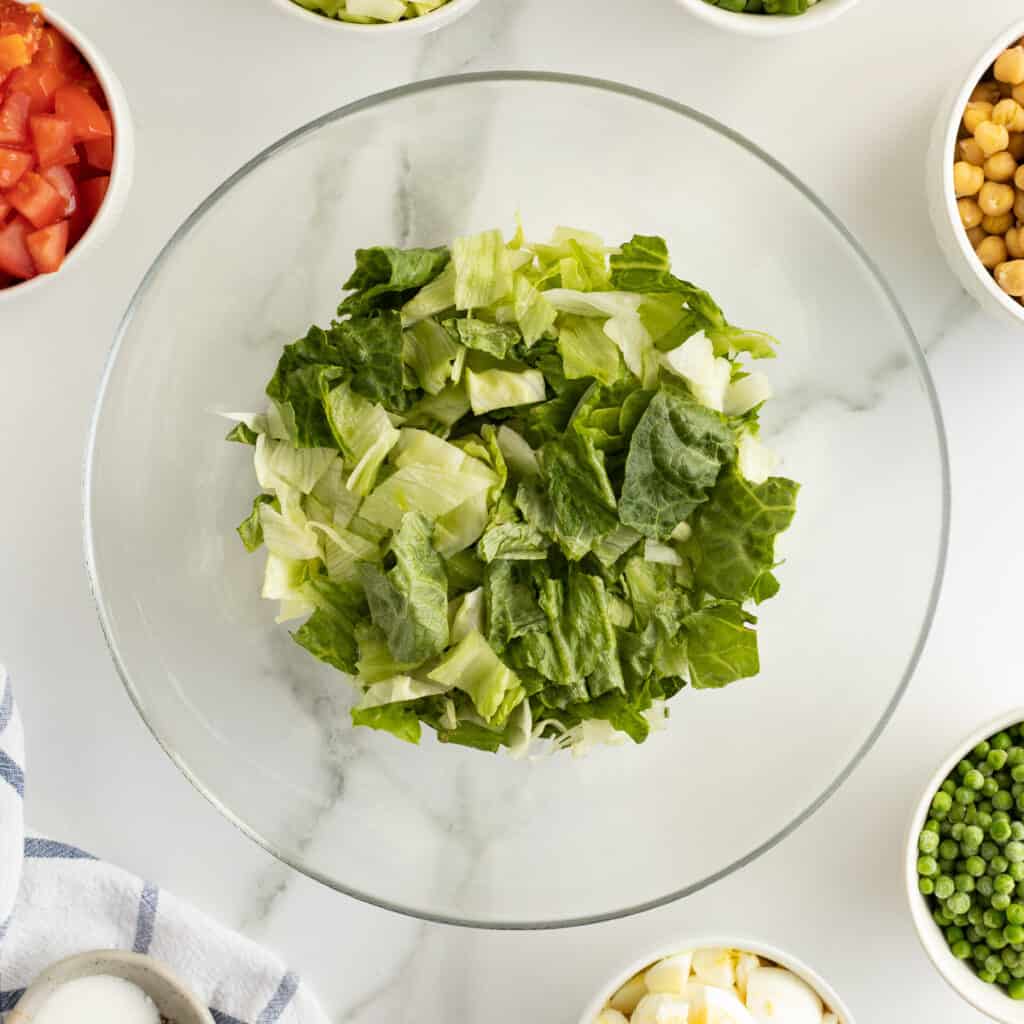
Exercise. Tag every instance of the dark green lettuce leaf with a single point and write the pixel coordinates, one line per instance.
(410, 602)
(496, 340)
(385, 278)
(511, 604)
(371, 352)
(675, 456)
(734, 535)
(401, 720)
(330, 632)
(250, 529)
(722, 648)
(242, 434)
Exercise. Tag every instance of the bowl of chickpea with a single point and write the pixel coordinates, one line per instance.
(976, 178)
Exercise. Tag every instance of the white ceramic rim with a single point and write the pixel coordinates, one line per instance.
(116, 963)
(768, 24)
(957, 975)
(1008, 35)
(120, 174)
(828, 994)
(451, 11)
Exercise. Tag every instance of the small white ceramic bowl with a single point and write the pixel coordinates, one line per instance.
(173, 1000)
(451, 11)
(828, 995)
(989, 999)
(820, 14)
(942, 206)
(120, 174)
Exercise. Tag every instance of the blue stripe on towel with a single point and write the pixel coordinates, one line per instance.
(47, 848)
(9, 999)
(12, 773)
(279, 1000)
(147, 915)
(6, 706)
(220, 1017)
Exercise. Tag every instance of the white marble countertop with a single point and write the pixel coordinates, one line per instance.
(848, 109)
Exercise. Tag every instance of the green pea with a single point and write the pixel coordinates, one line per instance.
(1001, 741)
(993, 964)
(971, 933)
(1010, 956)
(925, 886)
(1017, 828)
(998, 865)
(1015, 851)
(996, 759)
(987, 976)
(1015, 913)
(990, 788)
(1016, 872)
(1002, 801)
(989, 849)
(949, 788)
(1004, 884)
(1017, 972)
(982, 749)
(1000, 900)
(1000, 832)
(928, 842)
(963, 767)
(1015, 990)
(984, 819)
(964, 795)
(973, 866)
(996, 940)
(943, 886)
(973, 779)
(994, 919)
(964, 882)
(1013, 933)
(956, 830)
(973, 837)
(1015, 756)
(1016, 773)
(958, 903)
(956, 812)
(985, 886)
(1003, 977)
(980, 952)
(961, 950)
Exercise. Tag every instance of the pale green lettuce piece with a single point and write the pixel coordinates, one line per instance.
(432, 354)
(364, 433)
(610, 548)
(288, 534)
(514, 542)
(376, 662)
(532, 311)
(706, 374)
(587, 351)
(473, 667)
(755, 461)
(280, 463)
(519, 456)
(379, 10)
(655, 551)
(331, 493)
(398, 690)
(440, 412)
(466, 614)
(746, 393)
(483, 270)
(434, 298)
(501, 389)
(462, 527)
(343, 551)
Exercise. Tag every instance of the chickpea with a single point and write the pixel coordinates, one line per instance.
(1010, 66)
(1015, 243)
(1000, 167)
(976, 236)
(1018, 178)
(1010, 113)
(1018, 206)
(970, 213)
(1010, 277)
(992, 252)
(997, 225)
(1018, 95)
(993, 138)
(975, 114)
(987, 92)
(1016, 147)
(970, 152)
(967, 179)
(995, 199)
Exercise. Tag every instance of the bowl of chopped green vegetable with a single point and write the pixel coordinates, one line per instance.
(376, 17)
(767, 17)
(964, 868)
(500, 495)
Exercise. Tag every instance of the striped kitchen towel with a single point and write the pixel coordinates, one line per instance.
(57, 900)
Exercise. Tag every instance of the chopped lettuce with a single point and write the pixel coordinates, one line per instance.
(517, 490)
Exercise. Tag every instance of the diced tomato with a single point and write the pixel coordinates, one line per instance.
(91, 194)
(48, 247)
(23, 19)
(14, 52)
(99, 153)
(36, 200)
(40, 83)
(60, 178)
(13, 164)
(14, 119)
(5, 208)
(88, 118)
(55, 49)
(53, 140)
(15, 258)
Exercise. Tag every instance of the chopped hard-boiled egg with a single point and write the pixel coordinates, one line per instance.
(715, 967)
(670, 974)
(715, 986)
(777, 996)
(661, 1008)
(713, 1005)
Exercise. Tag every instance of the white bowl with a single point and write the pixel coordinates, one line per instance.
(768, 24)
(174, 1001)
(452, 11)
(120, 173)
(942, 198)
(989, 999)
(828, 995)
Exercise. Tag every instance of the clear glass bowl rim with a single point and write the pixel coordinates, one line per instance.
(599, 85)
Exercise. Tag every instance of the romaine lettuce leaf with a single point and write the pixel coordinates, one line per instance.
(330, 632)
(473, 667)
(384, 278)
(721, 647)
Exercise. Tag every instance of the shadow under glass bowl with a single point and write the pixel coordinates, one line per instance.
(441, 833)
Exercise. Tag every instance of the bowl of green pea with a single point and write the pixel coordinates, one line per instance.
(767, 17)
(964, 868)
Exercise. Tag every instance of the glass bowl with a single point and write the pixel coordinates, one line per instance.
(438, 832)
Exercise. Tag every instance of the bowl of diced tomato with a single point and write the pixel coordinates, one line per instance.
(65, 146)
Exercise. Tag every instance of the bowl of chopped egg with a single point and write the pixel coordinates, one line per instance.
(976, 177)
(723, 980)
